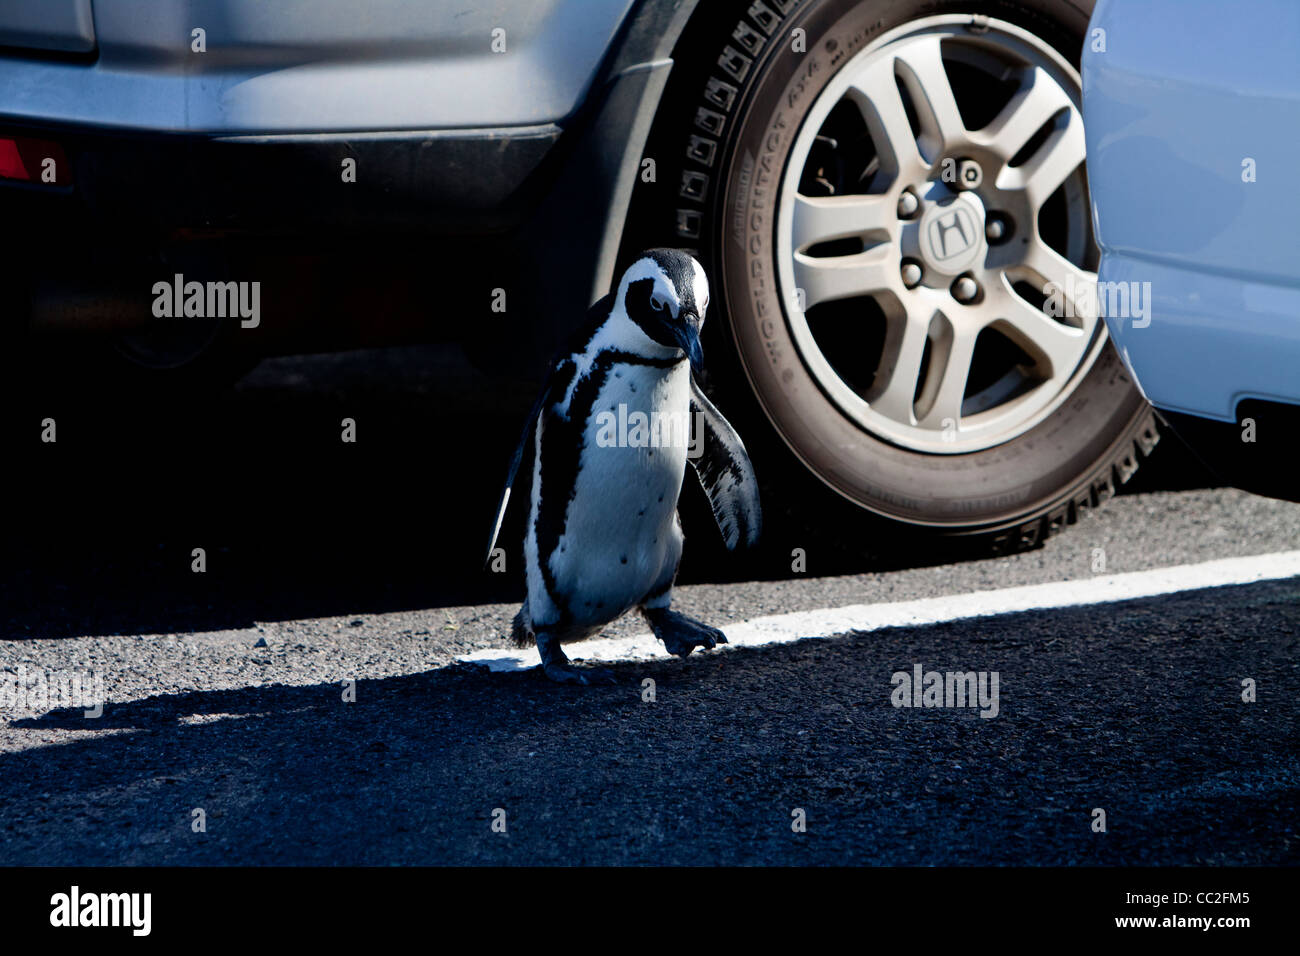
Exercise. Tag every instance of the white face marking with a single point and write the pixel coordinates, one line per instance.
(621, 333)
(700, 288)
(663, 293)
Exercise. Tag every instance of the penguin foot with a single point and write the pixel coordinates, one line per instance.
(557, 666)
(682, 634)
(566, 673)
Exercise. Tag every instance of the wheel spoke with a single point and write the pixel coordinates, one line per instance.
(893, 391)
(1037, 101)
(945, 387)
(927, 82)
(875, 93)
(842, 277)
(1060, 347)
(1054, 275)
(820, 219)
(1057, 158)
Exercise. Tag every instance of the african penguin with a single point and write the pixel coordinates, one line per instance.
(612, 435)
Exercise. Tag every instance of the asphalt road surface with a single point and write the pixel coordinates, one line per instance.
(329, 565)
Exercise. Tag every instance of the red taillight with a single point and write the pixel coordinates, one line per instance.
(33, 161)
(11, 163)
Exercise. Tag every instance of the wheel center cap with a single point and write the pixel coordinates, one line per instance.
(952, 235)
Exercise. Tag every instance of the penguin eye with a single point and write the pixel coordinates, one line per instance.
(657, 303)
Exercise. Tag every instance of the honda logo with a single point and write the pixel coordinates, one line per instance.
(951, 234)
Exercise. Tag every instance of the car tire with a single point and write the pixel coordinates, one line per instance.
(726, 141)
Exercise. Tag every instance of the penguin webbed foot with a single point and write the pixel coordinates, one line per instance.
(567, 673)
(681, 634)
(558, 668)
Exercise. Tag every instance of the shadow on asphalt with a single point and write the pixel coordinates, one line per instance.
(1132, 707)
(295, 522)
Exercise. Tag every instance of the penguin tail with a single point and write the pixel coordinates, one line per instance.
(520, 633)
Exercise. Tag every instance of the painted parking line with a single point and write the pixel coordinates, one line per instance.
(828, 622)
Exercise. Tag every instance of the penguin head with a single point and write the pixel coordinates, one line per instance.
(666, 293)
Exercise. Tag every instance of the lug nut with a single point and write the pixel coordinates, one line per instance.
(995, 229)
(911, 274)
(965, 289)
(969, 174)
(908, 204)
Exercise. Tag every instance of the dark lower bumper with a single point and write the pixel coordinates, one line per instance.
(452, 180)
(1257, 452)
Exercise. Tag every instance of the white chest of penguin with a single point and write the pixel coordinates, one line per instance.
(621, 535)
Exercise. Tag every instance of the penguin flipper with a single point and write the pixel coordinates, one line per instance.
(560, 371)
(504, 500)
(726, 474)
(544, 397)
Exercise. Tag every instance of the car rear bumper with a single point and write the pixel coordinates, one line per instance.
(1191, 115)
(1207, 342)
(237, 67)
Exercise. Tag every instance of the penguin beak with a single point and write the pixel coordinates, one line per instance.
(687, 332)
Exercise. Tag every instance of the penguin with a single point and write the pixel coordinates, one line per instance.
(612, 436)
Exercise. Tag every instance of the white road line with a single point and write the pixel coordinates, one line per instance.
(797, 625)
